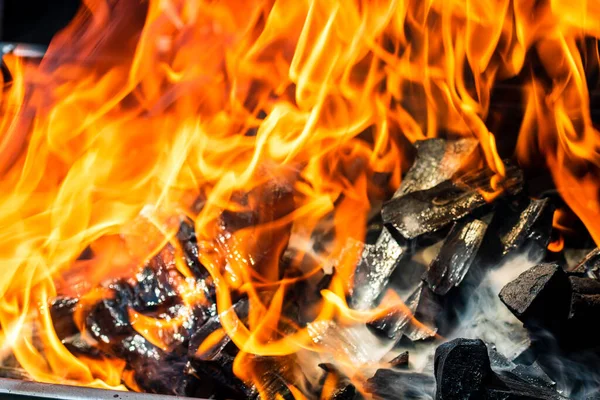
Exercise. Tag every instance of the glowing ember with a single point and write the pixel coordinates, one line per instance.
(277, 128)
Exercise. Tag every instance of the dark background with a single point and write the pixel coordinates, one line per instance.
(34, 21)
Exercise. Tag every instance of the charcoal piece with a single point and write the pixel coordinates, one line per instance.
(429, 210)
(219, 371)
(457, 254)
(400, 361)
(463, 371)
(590, 265)
(424, 305)
(154, 370)
(108, 320)
(437, 160)
(539, 297)
(374, 269)
(584, 312)
(523, 221)
(389, 384)
(61, 312)
(335, 385)
(462, 368)
(189, 244)
(209, 327)
(153, 289)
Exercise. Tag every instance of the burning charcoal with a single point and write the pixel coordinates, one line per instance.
(523, 221)
(590, 265)
(154, 370)
(456, 255)
(437, 161)
(219, 371)
(335, 385)
(400, 361)
(429, 210)
(584, 313)
(153, 289)
(187, 239)
(389, 384)
(424, 305)
(539, 296)
(373, 272)
(108, 320)
(61, 311)
(463, 371)
(209, 327)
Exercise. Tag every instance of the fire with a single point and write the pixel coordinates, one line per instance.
(265, 123)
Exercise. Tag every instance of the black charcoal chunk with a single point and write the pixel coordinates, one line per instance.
(189, 244)
(457, 254)
(153, 289)
(61, 312)
(524, 221)
(400, 361)
(462, 369)
(341, 389)
(590, 265)
(389, 384)
(424, 305)
(374, 269)
(539, 297)
(154, 370)
(211, 325)
(437, 160)
(429, 210)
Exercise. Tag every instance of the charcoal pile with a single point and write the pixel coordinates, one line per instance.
(436, 243)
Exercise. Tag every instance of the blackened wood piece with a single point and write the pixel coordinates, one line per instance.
(390, 384)
(374, 270)
(590, 265)
(521, 221)
(425, 211)
(437, 160)
(457, 254)
(400, 361)
(539, 297)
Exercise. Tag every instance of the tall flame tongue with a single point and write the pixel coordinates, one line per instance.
(265, 122)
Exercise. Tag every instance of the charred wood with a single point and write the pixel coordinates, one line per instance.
(429, 210)
(437, 160)
(374, 270)
(457, 254)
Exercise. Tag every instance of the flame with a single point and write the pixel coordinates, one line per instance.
(296, 115)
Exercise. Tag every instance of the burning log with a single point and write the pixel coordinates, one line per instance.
(429, 210)
(437, 161)
(456, 255)
(463, 370)
(373, 271)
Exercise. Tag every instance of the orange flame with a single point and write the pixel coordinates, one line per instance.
(292, 111)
